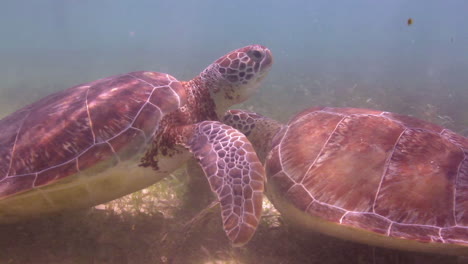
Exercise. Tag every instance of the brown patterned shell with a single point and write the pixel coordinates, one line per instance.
(375, 171)
(73, 129)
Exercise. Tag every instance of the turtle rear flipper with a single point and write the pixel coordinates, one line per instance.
(234, 172)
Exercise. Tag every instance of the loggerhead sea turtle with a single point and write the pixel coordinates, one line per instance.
(98, 141)
(370, 176)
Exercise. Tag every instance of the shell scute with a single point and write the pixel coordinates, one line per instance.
(117, 101)
(351, 111)
(128, 144)
(274, 165)
(299, 196)
(306, 112)
(148, 120)
(424, 172)
(17, 184)
(325, 211)
(10, 127)
(346, 150)
(298, 152)
(367, 221)
(58, 128)
(412, 122)
(56, 173)
(95, 155)
(461, 193)
(168, 94)
(166, 99)
(456, 235)
(416, 232)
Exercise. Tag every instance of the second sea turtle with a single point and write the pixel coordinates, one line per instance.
(370, 176)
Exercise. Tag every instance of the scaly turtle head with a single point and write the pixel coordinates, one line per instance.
(260, 130)
(234, 77)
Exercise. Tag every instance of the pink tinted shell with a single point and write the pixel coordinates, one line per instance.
(376, 171)
(72, 130)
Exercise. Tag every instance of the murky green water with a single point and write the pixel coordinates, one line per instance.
(347, 53)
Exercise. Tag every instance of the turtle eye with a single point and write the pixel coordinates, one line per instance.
(256, 55)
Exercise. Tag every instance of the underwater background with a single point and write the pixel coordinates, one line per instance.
(409, 57)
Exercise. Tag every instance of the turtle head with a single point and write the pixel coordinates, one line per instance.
(260, 130)
(234, 77)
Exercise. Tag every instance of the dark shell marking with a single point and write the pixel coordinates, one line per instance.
(72, 130)
(409, 177)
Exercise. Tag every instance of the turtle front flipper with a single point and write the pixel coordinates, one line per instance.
(234, 172)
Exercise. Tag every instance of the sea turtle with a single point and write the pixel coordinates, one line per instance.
(370, 176)
(98, 141)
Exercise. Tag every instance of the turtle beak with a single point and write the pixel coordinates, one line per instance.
(267, 61)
